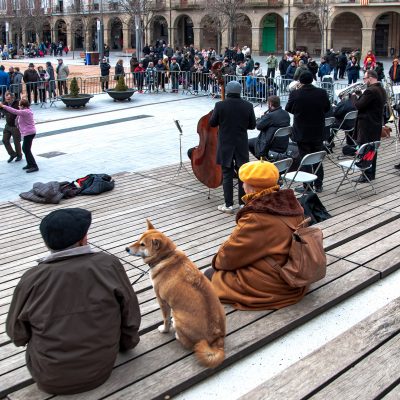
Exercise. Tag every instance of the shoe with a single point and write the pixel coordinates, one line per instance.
(26, 167)
(11, 158)
(225, 209)
(397, 166)
(33, 169)
(318, 189)
(19, 158)
(362, 179)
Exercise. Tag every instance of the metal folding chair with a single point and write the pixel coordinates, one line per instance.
(279, 133)
(349, 168)
(350, 116)
(306, 178)
(283, 166)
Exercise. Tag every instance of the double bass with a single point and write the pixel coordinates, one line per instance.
(204, 156)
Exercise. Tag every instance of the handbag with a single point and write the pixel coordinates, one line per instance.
(364, 159)
(306, 262)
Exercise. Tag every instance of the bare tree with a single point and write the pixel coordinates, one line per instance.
(323, 10)
(139, 11)
(226, 15)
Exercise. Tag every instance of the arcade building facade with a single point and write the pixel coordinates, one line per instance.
(265, 26)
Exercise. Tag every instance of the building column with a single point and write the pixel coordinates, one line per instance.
(292, 38)
(24, 37)
(196, 37)
(368, 36)
(125, 39)
(329, 39)
(71, 38)
(256, 43)
(224, 40)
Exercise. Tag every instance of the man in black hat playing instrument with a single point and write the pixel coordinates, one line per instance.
(234, 116)
(308, 104)
(74, 311)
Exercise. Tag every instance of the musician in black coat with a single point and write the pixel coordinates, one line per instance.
(268, 124)
(308, 104)
(234, 116)
(369, 122)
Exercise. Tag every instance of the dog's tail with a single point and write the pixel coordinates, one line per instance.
(209, 356)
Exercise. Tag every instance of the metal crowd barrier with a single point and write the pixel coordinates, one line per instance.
(254, 89)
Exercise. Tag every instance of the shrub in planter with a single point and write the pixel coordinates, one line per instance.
(121, 91)
(74, 99)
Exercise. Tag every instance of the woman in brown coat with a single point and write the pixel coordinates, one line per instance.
(242, 276)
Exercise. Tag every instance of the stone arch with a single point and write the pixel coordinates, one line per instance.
(241, 33)
(271, 34)
(60, 31)
(184, 35)
(116, 34)
(158, 28)
(308, 33)
(386, 41)
(208, 33)
(78, 34)
(346, 32)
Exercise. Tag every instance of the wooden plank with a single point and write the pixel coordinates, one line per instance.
(326, 363)
(367, 376)
(338, 269)
(239, 344)
(394, 394)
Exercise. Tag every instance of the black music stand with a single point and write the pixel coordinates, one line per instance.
(181, 164)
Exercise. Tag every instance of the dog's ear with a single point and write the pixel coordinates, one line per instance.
(156, 243)
(149, 225)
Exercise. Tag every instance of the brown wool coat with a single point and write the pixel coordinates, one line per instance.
(243, 277)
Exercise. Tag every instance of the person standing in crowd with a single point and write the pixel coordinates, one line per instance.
(62, 76)
(4, 81)
(160, 70)
(369, 122)
(119, 69)
(379, 69)
(234, 116)
(31, 78)
(16, 87)
(353, 70)
(291, 71)
(324, 68)
(174, 70)
(243, 272)
(11, 131)
(139, 77)
(299, 70)
(283, 66)
(394, 72)
(268, 124)
(104, 74)
(342, 62)
(312, 67)
(272, 64)
(50, 78)
(75, 311)
(308, 104)
(332, 61)
(42, 84)
(369, 61)
(26, 126)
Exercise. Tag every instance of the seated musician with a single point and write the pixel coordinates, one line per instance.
(268, 124)
(74, 311)
(240, 274)
(345, 106)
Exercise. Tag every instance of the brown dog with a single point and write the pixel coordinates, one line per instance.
(198, 316)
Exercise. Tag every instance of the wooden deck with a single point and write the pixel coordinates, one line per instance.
(180, 208)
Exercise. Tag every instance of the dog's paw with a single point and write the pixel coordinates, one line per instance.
(163, 328)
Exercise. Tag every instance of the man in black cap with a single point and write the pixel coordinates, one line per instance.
(308, 104)
(75, 310)
(31, 78)
(234, 116)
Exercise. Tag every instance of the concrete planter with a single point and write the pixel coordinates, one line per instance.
(120, 95)
(76, 102)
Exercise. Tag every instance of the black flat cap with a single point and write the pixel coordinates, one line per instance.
(306, 77)
(63, 228)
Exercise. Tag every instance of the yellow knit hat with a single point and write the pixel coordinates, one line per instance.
(259, 174)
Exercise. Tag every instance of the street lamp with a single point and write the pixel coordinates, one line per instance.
(100, 32)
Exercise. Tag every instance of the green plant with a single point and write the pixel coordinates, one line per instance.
(121, 85)
(74, 88)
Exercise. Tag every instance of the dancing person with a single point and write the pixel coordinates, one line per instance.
(11, 130)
